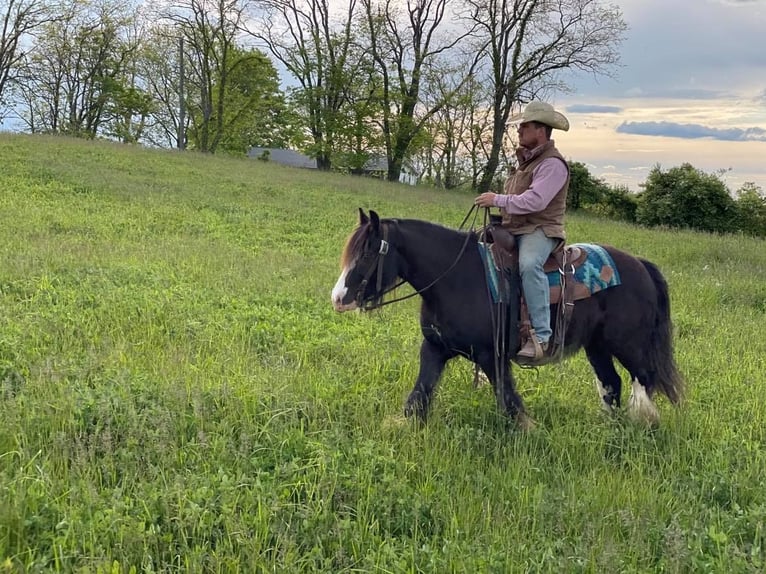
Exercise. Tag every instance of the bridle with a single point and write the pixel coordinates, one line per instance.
(376, 264)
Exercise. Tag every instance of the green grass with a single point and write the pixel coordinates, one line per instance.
(177, 394)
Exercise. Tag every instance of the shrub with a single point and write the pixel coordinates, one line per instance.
(584, 189)
(616, 203)
(595, 196)
(751, 208)
(686, 197)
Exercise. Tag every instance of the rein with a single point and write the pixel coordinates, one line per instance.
(378, 265)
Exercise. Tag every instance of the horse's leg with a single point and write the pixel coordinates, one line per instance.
(433, 357)
(641, 407)
(508, 399)
(608, 382)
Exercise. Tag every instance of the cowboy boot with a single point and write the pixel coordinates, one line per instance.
(533, 349)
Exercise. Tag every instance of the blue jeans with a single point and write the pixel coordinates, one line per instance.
(534, 249)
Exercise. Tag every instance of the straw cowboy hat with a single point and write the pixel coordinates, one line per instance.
(543, 113)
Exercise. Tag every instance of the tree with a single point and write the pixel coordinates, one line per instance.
(160, 71)
(256, 113)
(686, 197)
(528, 43)
(358, 138)
(751, 207)
(301, 35)
(584, 188)
(594, 195)
(404, 53)
(209, 29)
(454, 135)
(78, 67)
(20, 19)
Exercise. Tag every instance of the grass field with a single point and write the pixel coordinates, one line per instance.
(178, 395)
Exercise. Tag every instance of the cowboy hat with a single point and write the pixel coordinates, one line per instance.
(543, 113)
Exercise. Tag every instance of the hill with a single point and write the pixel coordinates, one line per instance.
(178, 395)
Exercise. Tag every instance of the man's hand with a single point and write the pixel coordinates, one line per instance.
(485, 199)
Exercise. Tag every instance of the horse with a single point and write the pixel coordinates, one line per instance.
(629, 322)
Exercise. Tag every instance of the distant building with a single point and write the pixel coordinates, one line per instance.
(283, 157)
(375, 167)
(378, 167)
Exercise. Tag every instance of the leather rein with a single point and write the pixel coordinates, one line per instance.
(376, 265)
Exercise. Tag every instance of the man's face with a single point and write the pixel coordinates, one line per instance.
(531, 135)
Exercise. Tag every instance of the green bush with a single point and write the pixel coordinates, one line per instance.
(584, 188)
(617, 202)
(595, 196)
(751, 208)
(687, 197)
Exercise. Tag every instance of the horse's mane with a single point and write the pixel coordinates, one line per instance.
(355, 242)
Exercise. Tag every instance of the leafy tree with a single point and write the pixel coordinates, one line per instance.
(686, 197)
(528, 42)
(358, 136)
(160, 72)
(317, 51)
(20, 19)
(596, 196)
(616, 202)
(584, 188)
(78, 67)
(209, 29)
(751, 205)
(256, 113)
(407, 42)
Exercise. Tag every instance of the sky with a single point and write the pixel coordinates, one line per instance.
(691, 87)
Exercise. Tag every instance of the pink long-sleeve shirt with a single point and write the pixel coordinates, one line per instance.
(547, 179)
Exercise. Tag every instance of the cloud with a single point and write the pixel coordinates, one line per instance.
(691, 131)
(676, 93)
(593, 109)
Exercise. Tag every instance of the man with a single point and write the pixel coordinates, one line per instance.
(533, 205)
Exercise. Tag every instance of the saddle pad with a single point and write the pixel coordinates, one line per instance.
(496, 279)
(596, 273)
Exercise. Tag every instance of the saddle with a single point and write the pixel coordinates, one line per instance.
(563, 259)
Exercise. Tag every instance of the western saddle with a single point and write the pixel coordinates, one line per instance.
(564, 259)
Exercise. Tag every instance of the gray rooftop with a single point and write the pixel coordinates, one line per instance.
(284, 157)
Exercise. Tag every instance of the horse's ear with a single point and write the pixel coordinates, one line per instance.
(375, 220)
(362, 217)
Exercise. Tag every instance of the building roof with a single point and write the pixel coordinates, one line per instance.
(284, 157)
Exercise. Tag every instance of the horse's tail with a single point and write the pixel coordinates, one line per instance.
(666, 375)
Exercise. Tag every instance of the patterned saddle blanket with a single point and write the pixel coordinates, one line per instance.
(594, 271)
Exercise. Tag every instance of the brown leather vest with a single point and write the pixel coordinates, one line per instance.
(550, 219)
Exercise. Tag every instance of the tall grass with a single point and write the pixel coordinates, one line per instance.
(177, 394)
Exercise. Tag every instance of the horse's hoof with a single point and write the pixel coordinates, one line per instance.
(393, 422)
(525, 422)
(641, 408)
(413, 409)
(480, 379)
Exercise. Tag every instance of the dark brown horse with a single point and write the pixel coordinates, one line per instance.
(629, 322)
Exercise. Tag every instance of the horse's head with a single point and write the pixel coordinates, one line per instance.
(368, 268)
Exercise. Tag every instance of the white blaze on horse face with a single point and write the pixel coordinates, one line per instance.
(339, 292)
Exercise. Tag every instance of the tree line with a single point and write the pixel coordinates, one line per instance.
(682, 197)
(426, 83)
